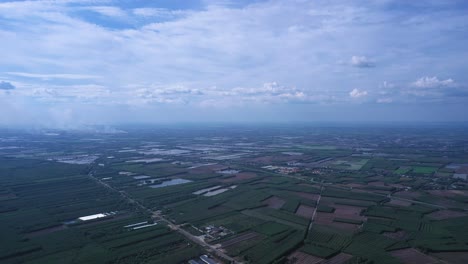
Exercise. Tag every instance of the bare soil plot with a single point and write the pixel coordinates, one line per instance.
(345, 226)
(376, 183)
(341, 211)
(240, 176)
(299, 257)
(333, 200)
(411, 256)
(462, 169)
(445, 214)
(348, 211)
(396, 185)
(453, 257)
(208, 168)
(324, 218)
(338, 259)
(305, 211)
(458, 192)
(274, 202)
(448, 193)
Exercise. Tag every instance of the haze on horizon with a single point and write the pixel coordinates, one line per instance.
(78, 62)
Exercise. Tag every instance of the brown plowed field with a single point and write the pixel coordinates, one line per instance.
(327, 219)
(240, 176)
(341, 211)
(299, 257)
(338, 259)
(448, 193)
(310, 196)
(376, 183)
(453, 257)
(208, 168)
(305, 211)
(411, 256)
(274, 202)
(445, 214)
(348, 211)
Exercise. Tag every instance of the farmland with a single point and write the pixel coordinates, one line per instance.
(281, 194)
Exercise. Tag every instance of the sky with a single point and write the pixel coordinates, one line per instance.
(69, 63)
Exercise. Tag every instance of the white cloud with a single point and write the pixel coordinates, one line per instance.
(432, 82)
(157, 12)
(362, 62)
(356, 93)
(110, 11)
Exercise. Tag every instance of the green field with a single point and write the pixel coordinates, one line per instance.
(424, 170)
(403, 170)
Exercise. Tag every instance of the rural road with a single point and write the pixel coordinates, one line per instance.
(195, 239)
(315, 209)
(174, 227)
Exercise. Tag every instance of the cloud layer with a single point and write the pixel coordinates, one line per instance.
(247, 60)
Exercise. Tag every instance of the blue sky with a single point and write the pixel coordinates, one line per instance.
(76, 62)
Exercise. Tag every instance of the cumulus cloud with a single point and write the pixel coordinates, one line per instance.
(362, 62)
(432, 82)
(6, 86)
(356, 93)
(434, 89)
